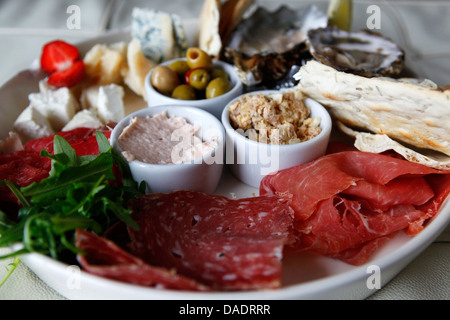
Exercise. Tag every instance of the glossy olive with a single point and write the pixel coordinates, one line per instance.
(215, 73)
(199, 79)
(217, 87)
(164, 79)
(184, 92)
(197, 58)
(180, 67)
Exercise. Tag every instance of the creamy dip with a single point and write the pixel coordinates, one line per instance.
(160, 139)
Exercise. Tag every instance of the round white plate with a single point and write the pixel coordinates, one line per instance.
(305, 275)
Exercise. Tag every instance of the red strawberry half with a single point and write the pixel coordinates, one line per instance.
(62, 61)
(67, 77)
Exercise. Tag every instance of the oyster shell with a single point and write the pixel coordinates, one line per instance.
(365, 53)
(264, 46)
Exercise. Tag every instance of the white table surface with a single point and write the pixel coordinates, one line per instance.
(422, 28)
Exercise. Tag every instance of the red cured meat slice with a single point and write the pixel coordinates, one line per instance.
(346, 200)
(23, 168)
(227, 244)
(381, 197)
(47, 142)
(358, 256)
(104, 258)
(441, 188)
(83, 140)
(339, 224)
(308, 184)
(27, 166)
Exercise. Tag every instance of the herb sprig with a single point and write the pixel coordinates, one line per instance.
(80, 192)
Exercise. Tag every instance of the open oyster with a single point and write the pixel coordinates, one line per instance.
(267, 44)
(364, 53)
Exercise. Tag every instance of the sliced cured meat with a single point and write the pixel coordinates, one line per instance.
(358, 256)
(83, 140)
(23, 168)
(227, 244)
(339, 224)
(27, 166)
(47, 142)
(104, 258)
(345, 201)
(441, 188)
(399, 191)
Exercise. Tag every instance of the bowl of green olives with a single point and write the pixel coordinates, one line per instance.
(196, 80)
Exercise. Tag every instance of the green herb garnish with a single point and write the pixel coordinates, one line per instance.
(9, 270)
(80, 192)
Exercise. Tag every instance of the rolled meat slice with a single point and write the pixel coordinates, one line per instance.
(346, 202)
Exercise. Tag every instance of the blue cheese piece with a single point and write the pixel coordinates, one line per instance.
(161, 34)
(180, 35)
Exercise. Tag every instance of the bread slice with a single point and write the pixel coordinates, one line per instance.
(413, 113)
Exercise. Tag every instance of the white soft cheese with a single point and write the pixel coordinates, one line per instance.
(110, 106)
(89, 97)
(32, 124)
(11, 143)
(83, 118)
(57, 105)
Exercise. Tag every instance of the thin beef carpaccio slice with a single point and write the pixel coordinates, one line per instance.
(347, 203)
(27, 166)
(104, 258)
(226, 244)
(82, 139)
(23, 168)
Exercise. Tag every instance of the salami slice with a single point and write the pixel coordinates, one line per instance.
(227, 244)
(104, 258)
(344, 202)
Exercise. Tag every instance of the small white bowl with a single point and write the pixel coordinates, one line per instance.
(201, 175)
(213, 105)
(250, 161)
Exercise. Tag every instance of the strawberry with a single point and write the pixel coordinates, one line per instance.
(67, 77)
(61, 61)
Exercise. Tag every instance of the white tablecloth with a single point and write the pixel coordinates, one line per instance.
(422, 28)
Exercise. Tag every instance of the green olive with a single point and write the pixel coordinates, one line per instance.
(199, 79)
(217, 87)
(164, 79)
(215, 73)
(184, 92)
(180, 67)
(197, 58)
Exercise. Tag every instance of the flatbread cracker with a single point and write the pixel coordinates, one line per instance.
(379, 143)
(407, 112)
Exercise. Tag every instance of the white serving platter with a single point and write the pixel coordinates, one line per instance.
(305, 275)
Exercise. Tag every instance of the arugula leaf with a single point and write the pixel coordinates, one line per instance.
(12, 266)
(61, 146)
(58, 185)
(16, 190)
(103, 143)
(80, 192)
